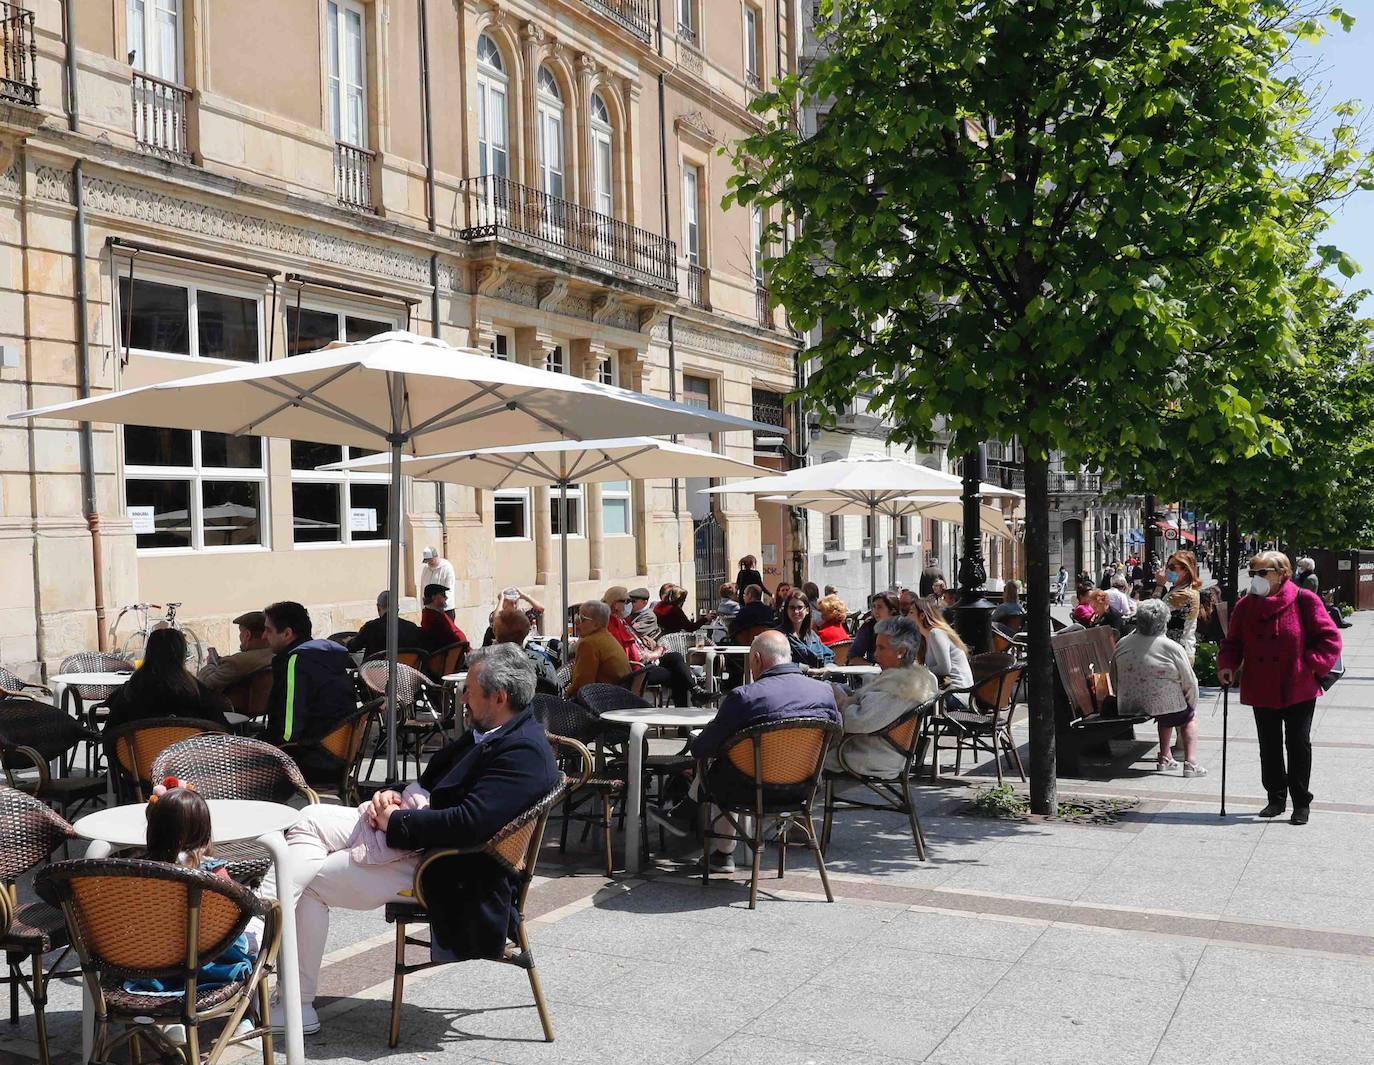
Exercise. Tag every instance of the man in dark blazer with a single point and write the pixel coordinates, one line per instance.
(470, 790)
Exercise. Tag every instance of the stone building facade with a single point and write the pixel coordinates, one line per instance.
(199, 183)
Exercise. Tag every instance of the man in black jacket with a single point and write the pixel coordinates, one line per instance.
(371, 638)
(472, 788)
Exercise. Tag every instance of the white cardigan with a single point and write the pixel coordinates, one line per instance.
(1152, 675)
(872, 708)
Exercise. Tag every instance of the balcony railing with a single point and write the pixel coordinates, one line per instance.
(761, 308)
(632, 14)
(687, 34)
(499, 209)
(160, 116)
(19, 73)
(353, 176)
(698, 290)
(752, 79)
(1060, 481)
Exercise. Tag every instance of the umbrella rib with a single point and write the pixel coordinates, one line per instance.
(429, 423)
(288, 401)
(316, 405)
(619, 463)
(431, 426)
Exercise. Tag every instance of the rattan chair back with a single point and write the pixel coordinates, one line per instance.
(410, 682)
(29, 832)
(680, 642)
(781, 753)
(446, 660)
(251, 695)
(38, 726)
(11, 683)
(563, 717)
(841, 651)
(412, 657)
(747, 637)
(342, 637)
(133, 747)
(234, 767)
(598, 698)
(995, 693)
(989, 663)
(94, 662)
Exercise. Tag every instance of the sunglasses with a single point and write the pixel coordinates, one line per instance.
(1261, 572)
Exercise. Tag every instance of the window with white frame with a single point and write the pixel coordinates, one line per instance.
(554, 361)
(687, 20)
(492, 88)
(834, 532)
(166, 315)
(346, 54)
(501, 346)
(696, 392)
(603, 170)
(154, 38)
(511, 508)
(691, 214)
(194, 490)
(756, 243)
(904, 531)
(869, 528)
(753, 72)
(333, 506)
(573, 512)
(615, 508)
(608, 370)
(550, 132)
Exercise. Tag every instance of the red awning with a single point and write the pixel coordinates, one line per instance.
(1180, 533)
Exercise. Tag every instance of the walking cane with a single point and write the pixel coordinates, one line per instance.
(1225, 714)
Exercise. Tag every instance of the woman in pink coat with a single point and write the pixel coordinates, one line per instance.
(1284, 637)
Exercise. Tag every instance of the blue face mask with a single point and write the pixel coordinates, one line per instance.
(1171, 577)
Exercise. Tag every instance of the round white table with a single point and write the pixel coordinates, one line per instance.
(62, 681)
(850, 671)
(640, 721)
(710, 651)
(231, 821)
(454, 683)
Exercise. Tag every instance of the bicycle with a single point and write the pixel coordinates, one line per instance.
(148, 621)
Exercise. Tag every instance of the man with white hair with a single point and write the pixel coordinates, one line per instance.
(1306, 577)
(1118, 596)
(779, 690)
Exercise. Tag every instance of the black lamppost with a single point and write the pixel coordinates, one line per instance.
(973, 614)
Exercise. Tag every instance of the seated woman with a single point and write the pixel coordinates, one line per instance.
(163, 687)
(942, 652)
(1082, 613)
(807, 649)
(901, 685)
(1151, 675)
(1104, 614)
(882, 606)
(665, 668)
(671, 617)
(833, 613)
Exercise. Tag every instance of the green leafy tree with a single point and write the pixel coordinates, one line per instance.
(1021, 217)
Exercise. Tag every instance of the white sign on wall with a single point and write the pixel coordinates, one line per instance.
(770, 554)
(362, 519)
(144, 519)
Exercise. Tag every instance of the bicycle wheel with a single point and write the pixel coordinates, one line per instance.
(132, 647)
(196, 650)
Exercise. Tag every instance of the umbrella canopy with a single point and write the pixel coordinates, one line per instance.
(398, 391)
(561, 464)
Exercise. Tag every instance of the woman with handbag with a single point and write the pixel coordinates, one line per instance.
(1284, 638)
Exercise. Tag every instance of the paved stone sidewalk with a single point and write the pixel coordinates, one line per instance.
(1171, 937)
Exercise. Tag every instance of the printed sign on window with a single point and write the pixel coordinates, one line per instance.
(144, 519)
(362, 519)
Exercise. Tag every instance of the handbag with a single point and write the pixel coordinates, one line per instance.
(1328, 679)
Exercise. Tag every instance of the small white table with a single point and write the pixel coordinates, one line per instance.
(231, 821)
(454, 683)
(640, 721)
(62, 681)
(850, 671)
(710, 651)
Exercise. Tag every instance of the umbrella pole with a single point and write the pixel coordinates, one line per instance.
(393, 578)
(873, 552)
(563, 566)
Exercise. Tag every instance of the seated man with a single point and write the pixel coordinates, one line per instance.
(780, 690)
(311, 687)
(642, 617)
(1009, 612)
(371, 637)
(347, 856)
(599, 658)
(253, 655)
(513, 627)
(436, 627)
(753, 614)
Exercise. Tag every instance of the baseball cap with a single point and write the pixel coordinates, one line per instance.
(429, 553)
(639, 593)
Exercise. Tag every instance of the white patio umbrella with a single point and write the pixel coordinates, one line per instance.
(562, 464)
(872, 482)
(402, 392)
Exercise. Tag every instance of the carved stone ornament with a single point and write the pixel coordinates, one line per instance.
(490, 277)
(693, 126)
(605, 306)
(552, 293)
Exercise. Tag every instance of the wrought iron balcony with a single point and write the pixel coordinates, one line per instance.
(761, 308)
(19, 55)
(687, 35)
(633, 15)
(1061, 481)
(754, 82)
(501, 209)
(160, 116)
(698, 287)
(353, 176)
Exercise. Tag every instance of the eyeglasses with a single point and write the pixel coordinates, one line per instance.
(1261, 572)
(583, 617)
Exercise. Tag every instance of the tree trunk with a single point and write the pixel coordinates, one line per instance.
(1039, 655)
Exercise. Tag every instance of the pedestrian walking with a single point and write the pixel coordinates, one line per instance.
(1285, 639)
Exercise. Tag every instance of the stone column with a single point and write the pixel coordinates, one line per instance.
(531, 49)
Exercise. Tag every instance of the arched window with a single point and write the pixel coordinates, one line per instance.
(550, 134)
(492, 155)
(603, 187)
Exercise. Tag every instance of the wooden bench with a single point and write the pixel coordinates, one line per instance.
(1079, 727)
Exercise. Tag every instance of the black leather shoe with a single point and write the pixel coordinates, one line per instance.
(1273, 809)
(1300, 815)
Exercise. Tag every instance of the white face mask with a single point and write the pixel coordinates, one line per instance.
(1259, 584)
(624, 610)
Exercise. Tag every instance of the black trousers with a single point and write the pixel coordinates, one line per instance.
(671, 671)
(1290, 727)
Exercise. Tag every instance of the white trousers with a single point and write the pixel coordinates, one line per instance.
(327, 876)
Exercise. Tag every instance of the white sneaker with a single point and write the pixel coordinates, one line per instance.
(310, 1020)
(1191, 769)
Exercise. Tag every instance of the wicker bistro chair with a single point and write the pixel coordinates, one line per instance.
(132, 748)
(769, 772)
(87, 702)
(414, 657)
(516, 849)
(985, 724)
(250, 695)
(342, 637)
(907, 737)
(419, 710)
(333, 761)
(568, 721)
(33, 735)
(446, 660)
(29, 832)
(236, 767)
(12, 684)
(131, 919)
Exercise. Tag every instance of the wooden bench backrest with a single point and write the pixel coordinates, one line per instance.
(1078, 655)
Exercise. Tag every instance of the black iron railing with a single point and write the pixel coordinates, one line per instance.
(754, 82)
(19, 55)
(761, 308)
(698, 288)
(687, 34)
(1007, 476)
(1075, 482)
(634, 15)
(160, 116)
(353, 175)
(499, 209)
